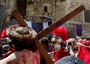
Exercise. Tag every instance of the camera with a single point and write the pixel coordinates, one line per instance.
(69, 43)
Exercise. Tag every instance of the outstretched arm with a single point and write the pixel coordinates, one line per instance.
(8, 59)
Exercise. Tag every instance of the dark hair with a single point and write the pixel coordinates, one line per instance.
(20, 45)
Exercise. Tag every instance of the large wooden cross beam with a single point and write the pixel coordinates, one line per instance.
(47, 30)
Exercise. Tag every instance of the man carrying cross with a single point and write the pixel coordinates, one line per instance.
(22, 41)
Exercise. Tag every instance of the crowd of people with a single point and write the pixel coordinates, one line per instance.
(17, 43)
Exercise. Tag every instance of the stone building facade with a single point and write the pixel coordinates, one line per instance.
(56, 8)
(80, 18)
(59, 9)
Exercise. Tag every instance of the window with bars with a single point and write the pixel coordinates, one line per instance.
(87, 16)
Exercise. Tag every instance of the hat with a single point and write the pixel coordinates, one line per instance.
(18, 33)
(70, 60)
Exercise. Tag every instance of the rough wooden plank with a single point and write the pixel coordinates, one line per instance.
(43, 52)
(19, 18)
(60, 22)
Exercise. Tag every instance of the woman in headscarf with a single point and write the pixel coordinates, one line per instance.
(22, 39)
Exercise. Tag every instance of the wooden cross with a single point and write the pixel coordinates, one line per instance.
(48, 30)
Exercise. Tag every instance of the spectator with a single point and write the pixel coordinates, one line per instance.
(61, 52)
(45, 43)
(71, 46)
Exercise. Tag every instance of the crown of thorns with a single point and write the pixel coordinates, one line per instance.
(19, 33)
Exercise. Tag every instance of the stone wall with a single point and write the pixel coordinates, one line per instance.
(56, 9)
(79, 19)
(60, 9)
